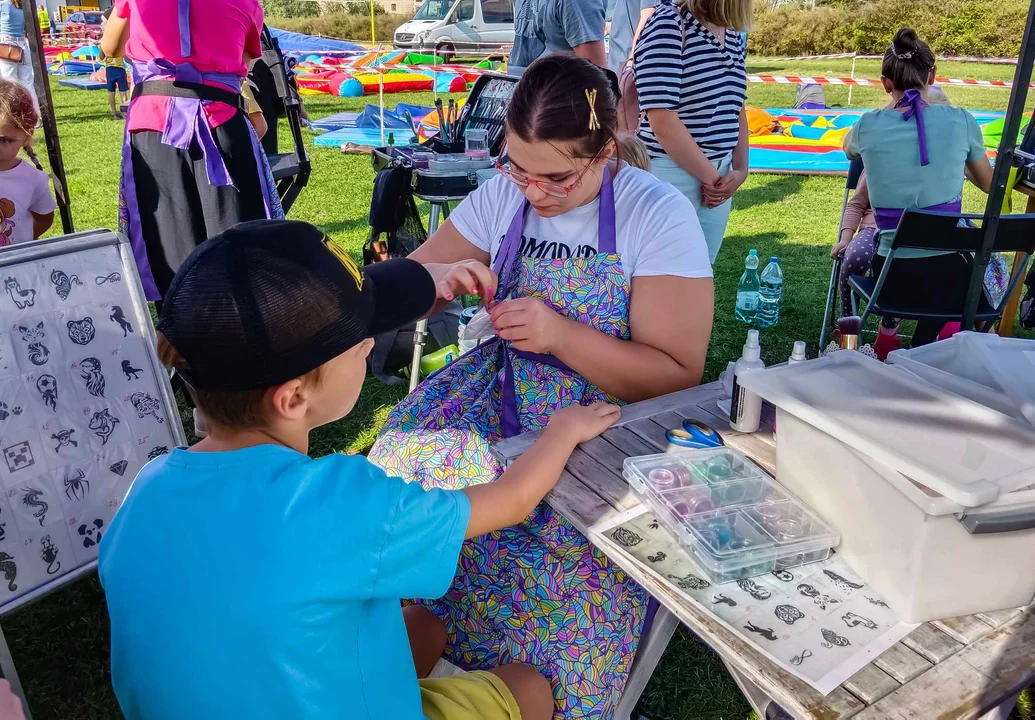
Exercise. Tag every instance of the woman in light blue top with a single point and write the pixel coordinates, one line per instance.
(12, 32)
(915, 155)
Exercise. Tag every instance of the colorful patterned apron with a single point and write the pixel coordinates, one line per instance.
(537, 593)
(186, 124)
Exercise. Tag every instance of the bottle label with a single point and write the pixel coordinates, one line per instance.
(735, 401)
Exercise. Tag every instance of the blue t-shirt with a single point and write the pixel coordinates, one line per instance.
(263, 584)
(12, 21)
(890, 151)
(546, 27)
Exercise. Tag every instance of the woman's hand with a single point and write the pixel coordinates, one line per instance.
(464, 277)
(716, 194)
(529, 324)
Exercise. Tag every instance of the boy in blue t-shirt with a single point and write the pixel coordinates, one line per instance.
(247, 580)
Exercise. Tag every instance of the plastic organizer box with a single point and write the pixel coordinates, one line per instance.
(731, 517)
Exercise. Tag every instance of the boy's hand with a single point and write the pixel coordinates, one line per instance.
(469, 276)
(582, 423)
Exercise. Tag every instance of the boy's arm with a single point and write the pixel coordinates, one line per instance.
(510, 500)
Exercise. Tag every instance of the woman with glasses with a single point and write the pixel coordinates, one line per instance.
(600, 289)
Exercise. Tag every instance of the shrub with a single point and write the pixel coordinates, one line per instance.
(952, 27)
(343, 25)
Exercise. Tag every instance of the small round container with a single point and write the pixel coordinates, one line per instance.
(421, 159)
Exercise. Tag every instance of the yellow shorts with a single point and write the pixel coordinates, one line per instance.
(468, 696)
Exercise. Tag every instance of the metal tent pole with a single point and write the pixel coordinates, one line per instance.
(1005, 159)
(47, 117)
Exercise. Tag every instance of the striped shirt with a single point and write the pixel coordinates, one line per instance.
(706, 84)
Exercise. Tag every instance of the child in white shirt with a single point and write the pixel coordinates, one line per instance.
(26, 203)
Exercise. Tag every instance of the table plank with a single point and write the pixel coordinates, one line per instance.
(578, 503)
(871, 684)
(965, 629)
(601, 478)
(931, 643)
(651, 432)
(628, 442)
(971, 682)
(999, 617)
(901, 663)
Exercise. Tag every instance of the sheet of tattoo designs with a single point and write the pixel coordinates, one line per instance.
(80, 412)
(819, 622)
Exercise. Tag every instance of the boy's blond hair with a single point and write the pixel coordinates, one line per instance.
(734, 14)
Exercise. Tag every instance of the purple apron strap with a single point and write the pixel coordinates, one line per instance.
(183, 12)
(136, 236)
(914, 103)
(506, 257)
(888, 218)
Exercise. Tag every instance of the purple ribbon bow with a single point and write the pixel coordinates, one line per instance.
(914, 102)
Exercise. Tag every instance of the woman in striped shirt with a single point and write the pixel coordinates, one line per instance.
(690, 76)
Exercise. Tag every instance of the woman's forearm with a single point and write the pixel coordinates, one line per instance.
(740, 152)
(680, 145)
(625, 369)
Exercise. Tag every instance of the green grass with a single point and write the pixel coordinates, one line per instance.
(60, 644)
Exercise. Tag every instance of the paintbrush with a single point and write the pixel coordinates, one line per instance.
(452, 120)
(849, 328)
(413, 125)
(441, 120)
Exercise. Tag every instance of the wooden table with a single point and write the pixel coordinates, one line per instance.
(964, 667)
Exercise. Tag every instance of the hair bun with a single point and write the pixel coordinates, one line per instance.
(906, 41)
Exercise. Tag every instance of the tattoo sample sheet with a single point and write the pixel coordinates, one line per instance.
(81, 409)
(820, 622)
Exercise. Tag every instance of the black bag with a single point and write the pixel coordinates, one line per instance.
(396, 230)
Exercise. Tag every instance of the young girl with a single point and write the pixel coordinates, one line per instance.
(26, 204)
(191, 164)
(915, 154)
(593, 256)
(692, 83)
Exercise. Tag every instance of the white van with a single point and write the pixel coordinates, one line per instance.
(449, 27)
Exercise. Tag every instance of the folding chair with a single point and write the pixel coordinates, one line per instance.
(938, 231)
(854, 171)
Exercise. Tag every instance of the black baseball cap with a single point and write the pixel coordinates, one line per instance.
(270, 300)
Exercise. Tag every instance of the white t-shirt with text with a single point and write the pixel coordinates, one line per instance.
(656, 227)
(23, 190)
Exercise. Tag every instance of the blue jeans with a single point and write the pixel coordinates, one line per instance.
(713, 220)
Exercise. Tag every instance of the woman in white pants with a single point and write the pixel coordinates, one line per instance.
(12, 33)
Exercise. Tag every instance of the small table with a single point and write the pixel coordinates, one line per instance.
(963, 667)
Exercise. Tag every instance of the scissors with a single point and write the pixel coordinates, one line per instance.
(694, 434)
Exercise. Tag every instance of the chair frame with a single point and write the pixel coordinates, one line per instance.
(855, 170)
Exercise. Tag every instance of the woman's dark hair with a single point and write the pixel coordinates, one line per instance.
(552, 101)
(908, 62)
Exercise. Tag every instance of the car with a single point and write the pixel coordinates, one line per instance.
(84, 25)
(449, 27)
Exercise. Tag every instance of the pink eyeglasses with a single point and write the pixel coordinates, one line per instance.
(550, 188)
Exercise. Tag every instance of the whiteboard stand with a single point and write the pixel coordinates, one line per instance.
(78, 296)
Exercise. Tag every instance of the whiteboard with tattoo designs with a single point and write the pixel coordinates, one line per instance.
(84, 405)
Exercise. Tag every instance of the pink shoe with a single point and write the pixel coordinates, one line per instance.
(887, 341)
(949, 330)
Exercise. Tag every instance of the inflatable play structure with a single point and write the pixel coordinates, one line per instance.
(784, 140)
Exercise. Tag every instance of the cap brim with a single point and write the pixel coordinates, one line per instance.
(402, 291)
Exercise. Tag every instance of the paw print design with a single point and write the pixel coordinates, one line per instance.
(91, 533)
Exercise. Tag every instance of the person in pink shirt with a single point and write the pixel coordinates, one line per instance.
(191, 165)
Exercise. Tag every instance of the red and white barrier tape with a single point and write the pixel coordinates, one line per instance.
(941, 58)
(865, 82)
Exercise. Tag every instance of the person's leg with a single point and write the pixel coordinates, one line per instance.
(427, 636)
(111, 104)
(26, 77)
(531, 690)
(857, 261)
(713, 220)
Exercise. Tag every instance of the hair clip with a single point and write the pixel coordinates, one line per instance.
(594, 123)
(903, 56)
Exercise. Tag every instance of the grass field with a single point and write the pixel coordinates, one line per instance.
(60, 644)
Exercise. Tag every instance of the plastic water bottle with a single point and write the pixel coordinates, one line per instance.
(769, 292)
(747, 289)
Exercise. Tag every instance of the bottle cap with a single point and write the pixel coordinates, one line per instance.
(774, 259)
(751, 349)
(798, 353)
(752, 252)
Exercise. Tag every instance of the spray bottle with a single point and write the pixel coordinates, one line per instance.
(797, 353)
(746, 406)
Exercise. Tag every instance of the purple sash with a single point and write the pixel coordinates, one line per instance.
(506, 259)
(186, 123)
(914, 102)
(888, 218)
